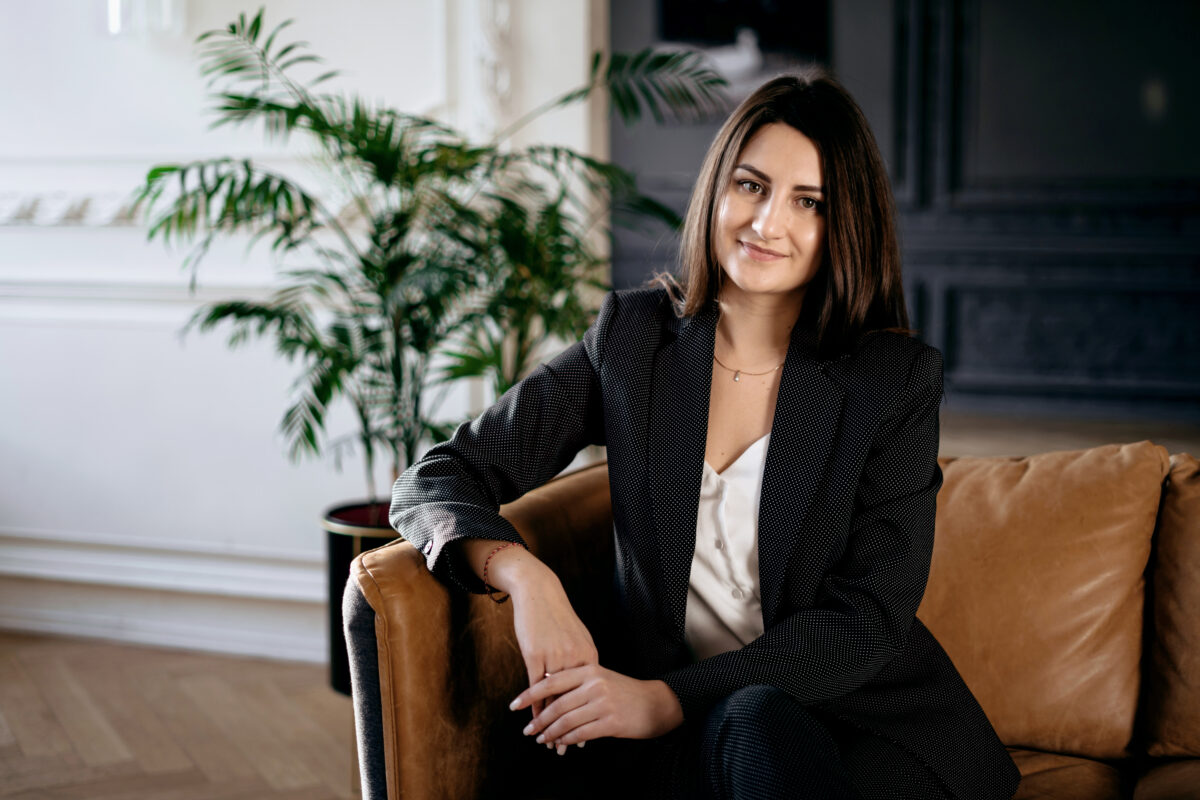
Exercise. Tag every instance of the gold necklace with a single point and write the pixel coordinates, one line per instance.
(738, 372)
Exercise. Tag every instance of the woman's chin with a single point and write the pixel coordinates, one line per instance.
(756, 277)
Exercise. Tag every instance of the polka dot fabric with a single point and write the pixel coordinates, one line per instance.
(846, 521)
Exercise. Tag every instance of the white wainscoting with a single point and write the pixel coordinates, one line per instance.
(164, 593)
(240, 626)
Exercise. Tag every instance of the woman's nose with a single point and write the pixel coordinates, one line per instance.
(770, 221)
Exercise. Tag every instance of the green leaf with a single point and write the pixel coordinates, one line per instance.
(255, 25)
(324, 77)
(304, 59)
(271, 38)
(283, 52)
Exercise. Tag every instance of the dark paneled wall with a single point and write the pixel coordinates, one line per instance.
(1044, 157)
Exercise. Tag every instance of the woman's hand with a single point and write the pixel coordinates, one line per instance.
(550, 634)
(591, 702)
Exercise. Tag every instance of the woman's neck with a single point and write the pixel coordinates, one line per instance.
(754, 331)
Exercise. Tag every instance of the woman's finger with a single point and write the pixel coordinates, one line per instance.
(555, 709)
(539, 705)
(580, 736)
(566, 723)
(557, 683)
(537, 672)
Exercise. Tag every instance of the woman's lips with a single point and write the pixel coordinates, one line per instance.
(759, 253)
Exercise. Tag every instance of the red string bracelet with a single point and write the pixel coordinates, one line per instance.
(491, 590)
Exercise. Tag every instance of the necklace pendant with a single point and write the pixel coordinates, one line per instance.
(736, 375)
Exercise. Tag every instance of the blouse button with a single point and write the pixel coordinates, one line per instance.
(720, 545)
(738, 594)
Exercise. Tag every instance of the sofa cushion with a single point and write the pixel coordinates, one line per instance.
(1173, 666)
(1177, 781)
(1036, 590)
(1050, 775)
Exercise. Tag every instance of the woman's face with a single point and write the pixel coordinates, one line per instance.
(770, 226)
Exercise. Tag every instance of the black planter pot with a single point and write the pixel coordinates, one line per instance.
(349, 530)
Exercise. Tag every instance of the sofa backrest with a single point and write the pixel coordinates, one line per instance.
(1037, 589)
(1172, 718)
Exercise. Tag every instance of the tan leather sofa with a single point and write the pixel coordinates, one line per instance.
(1065, 586)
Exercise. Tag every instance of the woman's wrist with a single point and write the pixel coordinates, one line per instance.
(669, 709)
(488, 582)
(527, 576)
(516, 571)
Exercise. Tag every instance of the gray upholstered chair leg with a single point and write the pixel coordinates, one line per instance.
(364, 680)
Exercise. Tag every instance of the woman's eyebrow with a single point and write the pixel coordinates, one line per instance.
(763, 176)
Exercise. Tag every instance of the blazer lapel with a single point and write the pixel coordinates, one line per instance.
(679, 399)
(802, 433)
(806, 421)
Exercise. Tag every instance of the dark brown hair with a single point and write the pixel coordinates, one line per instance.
(857, 289)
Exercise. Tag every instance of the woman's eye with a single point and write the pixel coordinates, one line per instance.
(809, 203)
(754, 187)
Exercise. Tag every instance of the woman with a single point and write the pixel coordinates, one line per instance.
(772, 438)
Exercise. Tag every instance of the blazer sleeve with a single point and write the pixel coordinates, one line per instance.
(531, 433)
(868, 600)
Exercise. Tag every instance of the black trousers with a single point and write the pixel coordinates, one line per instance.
(758, 743)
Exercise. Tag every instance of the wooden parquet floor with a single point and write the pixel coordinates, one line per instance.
(89, 720)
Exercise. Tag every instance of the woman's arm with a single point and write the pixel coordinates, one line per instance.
(549, 632)
(541, 609)
(509, 570)
(868, 601)
(447, 503)
(454, 492)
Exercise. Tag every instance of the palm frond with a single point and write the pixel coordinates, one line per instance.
(222, 196)
(234, 54)
(225, 196)
(330, 367)
(666, 84)
(293, 326)
(470, 252)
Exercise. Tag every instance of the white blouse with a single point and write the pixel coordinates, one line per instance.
(724, 607)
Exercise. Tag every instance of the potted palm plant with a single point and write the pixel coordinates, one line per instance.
(421, 243)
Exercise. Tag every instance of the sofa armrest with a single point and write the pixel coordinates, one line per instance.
(449, 662)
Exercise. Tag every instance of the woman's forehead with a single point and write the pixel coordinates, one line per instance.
(784, 154)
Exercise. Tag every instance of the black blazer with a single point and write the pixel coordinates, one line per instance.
(846, 519)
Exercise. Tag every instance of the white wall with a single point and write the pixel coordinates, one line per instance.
(141, 474)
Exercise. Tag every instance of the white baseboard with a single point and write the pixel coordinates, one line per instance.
(171, 595)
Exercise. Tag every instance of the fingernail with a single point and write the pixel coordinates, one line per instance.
(528, 729)
(513, 705)
(541, 738)
(581, 744)
(562, 748)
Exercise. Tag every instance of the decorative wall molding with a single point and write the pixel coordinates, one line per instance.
(104, 209)
(131, 301)
(243, 601)
(130, 562)
(957, 85)
(908, 100)
(481, 65)
(101, 210)
(495, 59)
(98, 192)
(245, 626)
